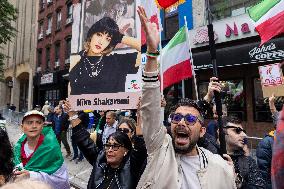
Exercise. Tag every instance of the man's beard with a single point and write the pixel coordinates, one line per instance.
(184, 149)
(179, 134)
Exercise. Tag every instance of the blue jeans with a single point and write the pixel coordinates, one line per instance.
(75, 150)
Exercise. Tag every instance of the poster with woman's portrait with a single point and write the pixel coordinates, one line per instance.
(104, 74)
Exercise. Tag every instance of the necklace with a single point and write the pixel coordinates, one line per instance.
(96, 67)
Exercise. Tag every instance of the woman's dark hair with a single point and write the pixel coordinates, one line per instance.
(130, 122)
(109, 26)
(6, 156)
(122, 139)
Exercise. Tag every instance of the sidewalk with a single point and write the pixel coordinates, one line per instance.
(78, 173)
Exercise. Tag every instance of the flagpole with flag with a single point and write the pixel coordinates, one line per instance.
(176, 59)
(268, 17)
(191, 60)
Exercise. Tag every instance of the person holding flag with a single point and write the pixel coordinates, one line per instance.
(176, 161)
(37, 154)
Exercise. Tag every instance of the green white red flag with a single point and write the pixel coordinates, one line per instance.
(268, 17)
(175, 59)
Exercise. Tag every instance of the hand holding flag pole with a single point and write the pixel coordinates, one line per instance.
(215, 74)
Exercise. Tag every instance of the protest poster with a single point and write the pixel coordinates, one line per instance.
(104, 69)
(271, 77)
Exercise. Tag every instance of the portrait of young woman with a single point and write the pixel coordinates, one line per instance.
(100, 69)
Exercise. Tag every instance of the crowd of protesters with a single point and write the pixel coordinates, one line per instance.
(136, 149)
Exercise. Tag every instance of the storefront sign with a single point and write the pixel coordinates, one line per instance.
(266, 53)
(46, 78)
(227, 29)
(271, 75)
(202, 36)
(244, 29)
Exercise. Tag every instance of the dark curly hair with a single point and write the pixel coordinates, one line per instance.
(6, 156)
(109, 26)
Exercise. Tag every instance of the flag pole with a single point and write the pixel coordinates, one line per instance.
(160, 57)
(217, 95)
(191, 60)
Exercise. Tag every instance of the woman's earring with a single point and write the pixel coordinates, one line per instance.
(125, 153)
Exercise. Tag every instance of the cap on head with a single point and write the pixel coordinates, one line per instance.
(33, 112)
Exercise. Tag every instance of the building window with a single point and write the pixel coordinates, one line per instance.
(52, 96)
(49, 25)
(39, 57)
(171, 26)
(57, 53)
(41, 4)
(69, 18)
(47, 58)
(223, 8)
(232, 96)
(40, 30)
(58, 20)
(261, 107)
(68, 49)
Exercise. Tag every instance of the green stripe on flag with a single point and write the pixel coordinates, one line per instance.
(179, 37)
(261, 9)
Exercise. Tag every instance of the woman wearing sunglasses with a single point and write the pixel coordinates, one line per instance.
(117, 165)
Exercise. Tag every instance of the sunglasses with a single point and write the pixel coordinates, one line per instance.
(189, 119)
(124, 130)
(114, 147)
(238, 130)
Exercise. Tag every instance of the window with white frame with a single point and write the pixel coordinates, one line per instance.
(57, 53)
(68, 48)
(69, 13)
(58, 19)
(49, 24)
(47, 55)
(40, 30)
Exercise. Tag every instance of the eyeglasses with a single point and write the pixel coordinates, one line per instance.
(238, 130)
(114, 147)
(124, 130)
(188, 118)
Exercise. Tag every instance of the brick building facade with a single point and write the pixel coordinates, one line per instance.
(53, 50)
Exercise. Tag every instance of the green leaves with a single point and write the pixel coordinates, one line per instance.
(7, 30)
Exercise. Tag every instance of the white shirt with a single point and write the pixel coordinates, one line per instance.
(108, 130)
(190, 165)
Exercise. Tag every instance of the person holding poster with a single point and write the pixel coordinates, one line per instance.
(99, 70)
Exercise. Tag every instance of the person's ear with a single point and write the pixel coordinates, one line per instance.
(202, 131)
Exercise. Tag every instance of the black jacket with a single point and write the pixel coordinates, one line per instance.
(209, 142)
(247, 168)
(126, 176)
(264, 157)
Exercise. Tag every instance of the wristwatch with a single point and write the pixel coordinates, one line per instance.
(73, 117)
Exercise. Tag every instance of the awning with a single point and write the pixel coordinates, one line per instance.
(272, 51)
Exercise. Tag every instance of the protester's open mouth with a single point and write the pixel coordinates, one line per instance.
(182, 137)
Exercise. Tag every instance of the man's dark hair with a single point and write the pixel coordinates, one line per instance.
(106, 25)
(6, 156)
(190, 103)
(231, 119)
(122, 139)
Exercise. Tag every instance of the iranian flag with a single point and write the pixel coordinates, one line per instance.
(268, 16)
(175, 59)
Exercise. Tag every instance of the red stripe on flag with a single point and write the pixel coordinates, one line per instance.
(271, 27)
(177, 73)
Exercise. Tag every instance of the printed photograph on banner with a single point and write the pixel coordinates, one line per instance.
(121, 11)
(103, 75)
(271, 75)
